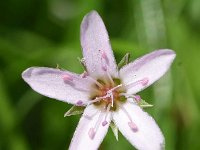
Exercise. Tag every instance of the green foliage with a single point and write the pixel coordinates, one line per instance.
(74, 110)
(125, 60)
(46, 33)
(114, 130)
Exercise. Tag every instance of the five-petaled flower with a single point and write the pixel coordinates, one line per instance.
(109, 94)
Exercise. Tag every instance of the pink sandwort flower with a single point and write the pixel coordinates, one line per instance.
(109, 94)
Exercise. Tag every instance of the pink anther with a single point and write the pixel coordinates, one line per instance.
(104, 68)
(91, 133)
(144, 81)
(79, 103)
(67, 77)
(104, 123)
(104, 56)
(137, 98)
(133, 126)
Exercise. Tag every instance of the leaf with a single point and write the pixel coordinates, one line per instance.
(142, 103)
(114, 129)
(124, 61)
(74, 110)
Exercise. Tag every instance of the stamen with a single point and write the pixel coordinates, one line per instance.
(98, 84)
(93, 101)
(67, 77)
(97, 99)
(107, 112)
(104, 56)
(79, 88)
(112, 99)
(108, 94)
(125, 111)
(79, 103)
(98, 121)
(143, 82)
(110, 78)
(104, 68)
(104, 61)
(104, 123)
(131, 124)
(137, 98)
(91, 133)
(116, 87)
(95, 81)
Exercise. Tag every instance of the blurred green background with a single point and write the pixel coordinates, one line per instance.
(46, 33)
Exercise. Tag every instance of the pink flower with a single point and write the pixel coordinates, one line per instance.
(109, 94)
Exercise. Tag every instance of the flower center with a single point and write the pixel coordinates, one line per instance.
(108, 93)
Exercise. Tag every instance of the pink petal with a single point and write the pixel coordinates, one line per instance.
(91, 129)
(96, 46)
(141, 130)
(146, 70)
(61, 85)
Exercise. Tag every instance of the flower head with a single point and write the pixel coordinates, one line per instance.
(108, 94)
